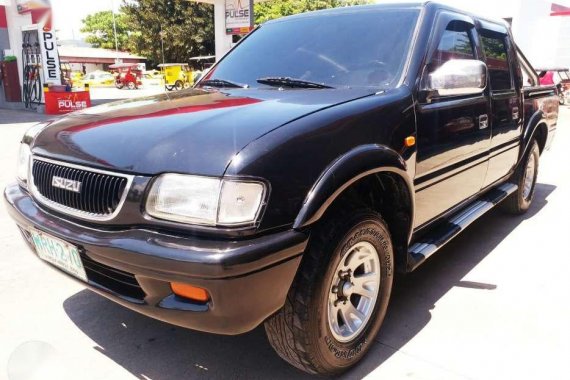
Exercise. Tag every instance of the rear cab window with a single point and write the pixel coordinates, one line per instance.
(496, 48)
(529, 76)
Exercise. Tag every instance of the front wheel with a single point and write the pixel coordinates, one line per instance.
(525, 178)
(179, 85)
(132, 86)
(339, 298)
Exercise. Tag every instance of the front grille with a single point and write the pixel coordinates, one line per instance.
(123, 283)
(99, 196)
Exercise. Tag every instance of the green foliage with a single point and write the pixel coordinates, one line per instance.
(494, 48)
(272, 9)
(187, 29)
(99, 30)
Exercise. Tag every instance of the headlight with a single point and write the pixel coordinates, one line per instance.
(24, 163)
(207, 201)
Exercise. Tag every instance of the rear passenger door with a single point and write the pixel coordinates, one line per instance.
(453, 131)
(506, 100)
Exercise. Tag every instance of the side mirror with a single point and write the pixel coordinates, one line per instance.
(458, 77)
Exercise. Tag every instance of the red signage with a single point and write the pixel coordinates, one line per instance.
(3, 20)
(59, 103)
(559, 10)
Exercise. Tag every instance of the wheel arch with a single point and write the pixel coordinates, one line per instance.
(536, 128)
(373, 176)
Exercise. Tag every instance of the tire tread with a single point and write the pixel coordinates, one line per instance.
(286, 330)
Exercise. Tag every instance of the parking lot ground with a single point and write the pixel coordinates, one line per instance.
(492, 304)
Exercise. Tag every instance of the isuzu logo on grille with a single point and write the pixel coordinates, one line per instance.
(66, 184)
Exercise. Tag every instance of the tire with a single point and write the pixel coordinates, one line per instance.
(301, 332)
(132, 86)
(179, 85)
(119, 86)
(169, 88)
(519, 202)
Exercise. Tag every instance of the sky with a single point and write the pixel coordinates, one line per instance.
(69, 13)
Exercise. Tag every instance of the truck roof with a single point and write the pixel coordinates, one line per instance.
(388, 5)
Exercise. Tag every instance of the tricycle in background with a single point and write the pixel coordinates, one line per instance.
(177, 76)
(127, 75)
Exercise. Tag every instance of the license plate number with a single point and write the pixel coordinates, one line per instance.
(59, 253)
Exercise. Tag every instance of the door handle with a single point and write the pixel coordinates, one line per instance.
(483, 122)
(515, 113)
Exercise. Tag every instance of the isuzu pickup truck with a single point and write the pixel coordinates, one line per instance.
(325, 153)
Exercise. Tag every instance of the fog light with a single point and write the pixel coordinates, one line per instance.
(191, 292)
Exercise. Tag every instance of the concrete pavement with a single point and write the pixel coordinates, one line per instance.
(493, 304)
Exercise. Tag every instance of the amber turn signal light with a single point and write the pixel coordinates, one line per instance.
(191, 292)
(410, 141)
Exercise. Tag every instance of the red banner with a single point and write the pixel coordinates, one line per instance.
(59, 103)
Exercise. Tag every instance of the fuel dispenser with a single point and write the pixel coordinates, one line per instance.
(40, 62)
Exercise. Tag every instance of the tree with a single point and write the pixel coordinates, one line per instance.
(272, 9)
(100, 33)
(187, 29)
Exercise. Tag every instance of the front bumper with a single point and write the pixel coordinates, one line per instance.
(248, 280)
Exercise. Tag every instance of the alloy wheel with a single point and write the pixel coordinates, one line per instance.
(353, 292)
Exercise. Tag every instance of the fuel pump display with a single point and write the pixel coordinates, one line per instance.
(32, 64)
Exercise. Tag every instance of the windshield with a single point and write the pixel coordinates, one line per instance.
(362, 48)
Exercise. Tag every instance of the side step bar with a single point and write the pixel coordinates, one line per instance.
(428, 245)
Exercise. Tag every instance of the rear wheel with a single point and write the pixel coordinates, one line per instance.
(525, 178)
(339, 297)
(132, 86)
(179, 85)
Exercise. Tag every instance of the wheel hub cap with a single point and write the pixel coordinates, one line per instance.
(529, 177)
(353, 292)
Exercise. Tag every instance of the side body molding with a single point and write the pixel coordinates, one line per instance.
(356, 164)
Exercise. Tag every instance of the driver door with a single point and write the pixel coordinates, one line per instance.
(453, 131)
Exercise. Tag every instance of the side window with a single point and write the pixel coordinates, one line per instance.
(455, 43)
(497, 58)
(529, 75)
(527, 78)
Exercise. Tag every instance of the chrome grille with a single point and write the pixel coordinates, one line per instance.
(99, 196)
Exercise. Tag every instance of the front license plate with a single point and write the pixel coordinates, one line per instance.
(59, 253)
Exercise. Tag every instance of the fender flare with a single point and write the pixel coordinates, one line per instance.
(352, 166)
(535, 121)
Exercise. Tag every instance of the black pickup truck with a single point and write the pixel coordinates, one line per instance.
(326, 152)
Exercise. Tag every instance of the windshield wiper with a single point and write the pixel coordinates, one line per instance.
(291, 82)
(220, 83)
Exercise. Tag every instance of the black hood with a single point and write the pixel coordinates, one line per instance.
(193, 131)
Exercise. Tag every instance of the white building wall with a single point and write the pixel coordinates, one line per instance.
(15, 23)
(544, 39)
